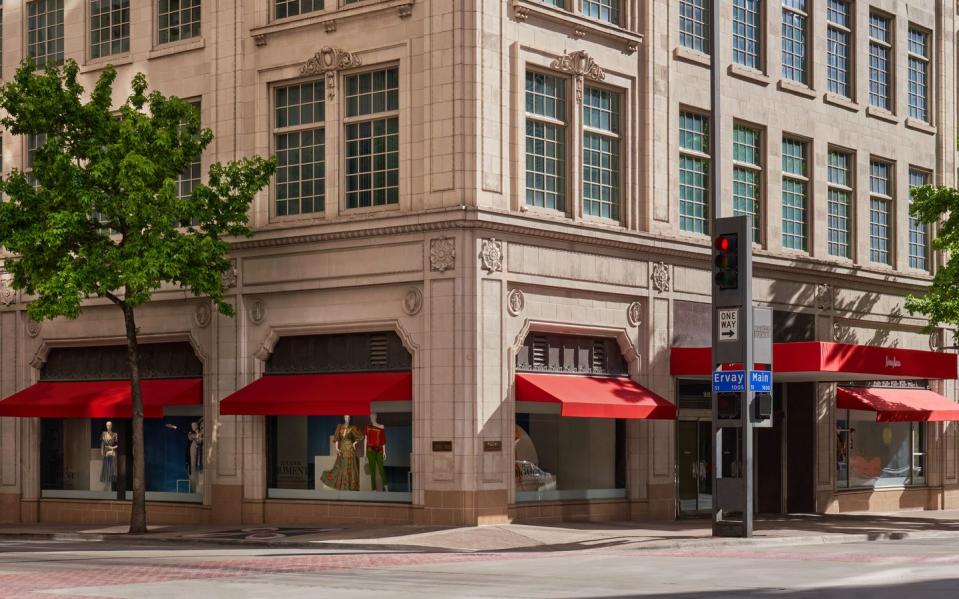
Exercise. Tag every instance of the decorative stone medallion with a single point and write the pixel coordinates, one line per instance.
(581, 66)
(257, 311)
(660, 277)
(634, 314)
(442, 254)
(33, 327)
(230, 276)
(328, 61)
(492, 255)
(935, 340)
(8, 294)
(824, 296)
(515, 302)
(203, 314)
(413, 301)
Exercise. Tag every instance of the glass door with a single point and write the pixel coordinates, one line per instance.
(694, 464)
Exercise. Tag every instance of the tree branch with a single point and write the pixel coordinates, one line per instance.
(113, 298)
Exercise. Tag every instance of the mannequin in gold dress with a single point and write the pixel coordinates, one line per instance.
(345, 474)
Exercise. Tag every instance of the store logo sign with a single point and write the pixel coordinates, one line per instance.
(892, 362)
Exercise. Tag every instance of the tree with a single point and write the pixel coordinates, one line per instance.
(99, 216)
(931, 205)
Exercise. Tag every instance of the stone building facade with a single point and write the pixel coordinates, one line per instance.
(484, 172)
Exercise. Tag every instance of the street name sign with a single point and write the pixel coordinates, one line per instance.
(761, 381)
(729, 381)
(728, 324)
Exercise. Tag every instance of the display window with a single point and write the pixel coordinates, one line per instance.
(872, 454)
(92, 458)
(358, 458)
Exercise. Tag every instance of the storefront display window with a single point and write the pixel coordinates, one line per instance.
(359, 458)
(872, 454)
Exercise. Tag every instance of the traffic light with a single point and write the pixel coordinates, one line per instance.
(727, 261)
(729, 406)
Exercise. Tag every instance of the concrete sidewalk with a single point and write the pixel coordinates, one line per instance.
(785, 530)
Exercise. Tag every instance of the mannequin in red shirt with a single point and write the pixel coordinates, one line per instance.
(375, 438)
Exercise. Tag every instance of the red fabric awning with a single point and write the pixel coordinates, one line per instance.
(318, 394)
(594, 397)
(823, 361)
(898, 405)
(100, 399)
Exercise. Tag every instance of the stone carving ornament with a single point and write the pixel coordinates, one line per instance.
(492, 255)
(229, 276)
(413, 301)
(33, 327)
(824, 296)
(203, 314)
(581, 66)
(7, 293)
(515, 302)
(442, 254)
(257, 311)
(327, 62)
(634, 314)
(660, 277)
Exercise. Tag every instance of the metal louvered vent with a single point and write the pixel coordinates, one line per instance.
(599, 356)
(540, 352)
(379, 351)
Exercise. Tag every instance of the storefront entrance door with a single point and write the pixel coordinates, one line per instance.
(694, 464)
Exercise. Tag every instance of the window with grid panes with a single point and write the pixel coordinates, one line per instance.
(794, 40)
(918, 90)
(602, 10)
(694, 24)
(190, 176)
(838, 47)
(291, 8)
(746, 33)
(34, 143)
(600, 153)
(556, 3)
(109, 27)
(177, 20)
(693, 172)
(880, 211)
(545, 141)
(918, 231)
(795, 223)
(45, 32)
(839, 204)
(299, 139)
(747, 172)
(373, 138)
(880, 53)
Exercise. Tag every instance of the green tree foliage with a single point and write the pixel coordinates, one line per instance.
(98, 215)
(939, 205)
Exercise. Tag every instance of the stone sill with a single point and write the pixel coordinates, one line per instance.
(177, 47)
(882, 115)
(796, 88)
(692, 56)
(330, 16)
(841, 102)
(921, 126)
(748, 74)
(116, 60)
(582, 27)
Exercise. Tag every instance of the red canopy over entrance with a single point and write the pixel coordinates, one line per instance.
(594, 397)
(898, 404)
(100, 399)
(318, 394)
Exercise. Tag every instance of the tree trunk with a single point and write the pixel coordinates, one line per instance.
(138, 512)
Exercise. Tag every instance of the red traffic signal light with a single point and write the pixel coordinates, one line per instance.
(726, 275)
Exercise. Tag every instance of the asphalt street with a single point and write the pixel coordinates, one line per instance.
(899, 569)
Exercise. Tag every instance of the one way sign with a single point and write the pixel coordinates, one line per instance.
(728, 324)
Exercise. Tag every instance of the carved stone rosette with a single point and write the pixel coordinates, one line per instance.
(515, 302)
(581, 66)
(491, 255)
(413, 301)
(327, 62)
(660, 277)
(634, 314)
(442, 254)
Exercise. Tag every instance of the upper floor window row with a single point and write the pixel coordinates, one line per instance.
(608, 11)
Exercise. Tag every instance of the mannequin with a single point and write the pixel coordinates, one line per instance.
(375, 441)
(345, 475)
(196, 449)
(109, 442)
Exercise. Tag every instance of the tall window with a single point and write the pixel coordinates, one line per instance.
(918, 231)
(45, 31)
(795, 194)
(880, 211)
(838, 47)
(545, 141)
(694, 24)
(746, 33)
(373, 138)
(603, 10)
(109, 27)
(880, 52)
(839, 204)
(794, 40)
(747, 171)
(291, 8)
(693, 172)
(177, 20)
(918, 95)
(600, 153)
(34, 143)
(190, 176)
(299, 138)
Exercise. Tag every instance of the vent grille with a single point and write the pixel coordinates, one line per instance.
(599, 356)
(379, 351)
(540, 352)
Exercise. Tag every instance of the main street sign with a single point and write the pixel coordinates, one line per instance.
(761, 381)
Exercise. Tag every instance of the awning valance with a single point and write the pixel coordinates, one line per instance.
(594, 397)
(318, 394)
(898, 404)
(101, 399)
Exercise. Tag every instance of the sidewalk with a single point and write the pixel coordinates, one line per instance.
(785, 530)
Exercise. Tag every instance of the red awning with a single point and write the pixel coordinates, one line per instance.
(318, 394)
(898, 404)
(100, 399)
(821, 361)
(594, 397)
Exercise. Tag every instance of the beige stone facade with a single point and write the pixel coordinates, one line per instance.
(462, 268)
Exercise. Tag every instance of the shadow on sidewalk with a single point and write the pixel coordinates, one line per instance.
(945, 588)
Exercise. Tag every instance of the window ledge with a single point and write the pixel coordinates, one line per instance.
(177, 47)
(841, 102)
(582, 26)
(800, 89)
(881, 114)
(748, 74)
(329, 17)
(921, 126)
(687, 55)
(540, 212)
(98, 64)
